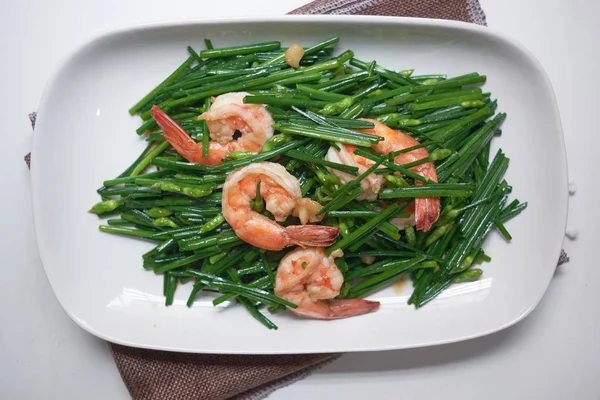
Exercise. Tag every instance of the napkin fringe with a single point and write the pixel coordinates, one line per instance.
(476, 13)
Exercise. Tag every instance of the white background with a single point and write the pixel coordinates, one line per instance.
(553, 354)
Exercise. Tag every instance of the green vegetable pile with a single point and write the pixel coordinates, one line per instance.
(164, 199)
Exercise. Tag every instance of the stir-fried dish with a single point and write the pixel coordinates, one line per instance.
(290, 178)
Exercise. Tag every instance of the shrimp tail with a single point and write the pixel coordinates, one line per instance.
(351, 307)
(427, 212)
(427, 209)
(337, 309)
(175, 134)
(312, 235)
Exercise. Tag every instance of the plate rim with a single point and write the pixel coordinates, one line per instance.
(349, 19)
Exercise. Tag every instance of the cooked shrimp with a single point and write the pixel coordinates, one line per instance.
(281, 193)
(310, 279)
(227, 115)
(370, 185)
(427, 209)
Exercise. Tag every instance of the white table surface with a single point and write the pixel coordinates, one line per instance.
(552, 354)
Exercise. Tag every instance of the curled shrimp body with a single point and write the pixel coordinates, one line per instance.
(227, 115)
(427, 209)
(311, 280)
(281, 193)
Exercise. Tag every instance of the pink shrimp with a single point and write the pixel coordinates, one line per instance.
(281, 193)
(311, 280)
(427, 209)
(227, 115)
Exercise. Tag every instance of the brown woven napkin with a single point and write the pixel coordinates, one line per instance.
(161, 375)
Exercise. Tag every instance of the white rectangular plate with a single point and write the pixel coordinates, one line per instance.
(84, 135)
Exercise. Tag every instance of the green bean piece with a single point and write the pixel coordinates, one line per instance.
(416, 106)
(362, 214)
(224, 239)
(128, 231)
(320, 94)
(208, 44)
(167, 186)
(472, 104)
(212, 224)
(205, 133)
(118, 222)
(283, 101)
(219, 256)
(439, 232)
(502, 229)
(411, 237)
(139, 217)
(344, 57)
(452, 83)
(300, 78)
(165, 221)
(170, 286)
(166, 245)
(391, 96)
(158, 212)
(482, 257)
(257, 203)
(275, 141)
(513, 212)
(396, 181)
(105, 206)
(469, 275)
(432, 190)
(180, 263)
(337, 107)
(239, 50)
